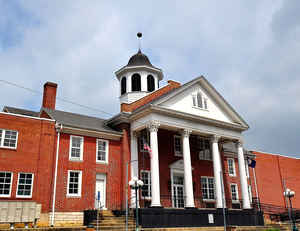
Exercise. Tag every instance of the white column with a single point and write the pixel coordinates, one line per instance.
(144, 81)
(128, 85)
(155, 187)
(134, 163)
(243, 177)
(217, 170)
(188, 179)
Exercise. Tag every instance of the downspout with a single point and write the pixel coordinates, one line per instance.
(58, 130)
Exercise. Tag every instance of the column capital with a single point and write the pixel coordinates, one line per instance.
(215, 138)
(153, 126)
(134, 134)
(186, 132)
(239, 143)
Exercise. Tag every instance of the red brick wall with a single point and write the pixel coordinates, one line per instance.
(89, 168)
(34, 154)
(271, 170)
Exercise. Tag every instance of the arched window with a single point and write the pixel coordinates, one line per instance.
(123, 85)
(136, 82)
(150, 83)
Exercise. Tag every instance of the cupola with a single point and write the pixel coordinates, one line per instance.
(138, 78)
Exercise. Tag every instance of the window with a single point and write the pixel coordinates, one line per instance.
(74, 183)
(76, 148)
(123, 85)
(8, 138)
(146, 189)
(5, 184)
(231, 167)
(199, 101)
(136, 82)
(25, 185)
(177, 145)
(234, 192)
(102, 151)
(150, 83)
(203, 145)
(208, 188)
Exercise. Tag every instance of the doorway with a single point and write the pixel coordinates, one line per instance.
(100, 191)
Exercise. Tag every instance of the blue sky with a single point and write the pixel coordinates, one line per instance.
(249, 51)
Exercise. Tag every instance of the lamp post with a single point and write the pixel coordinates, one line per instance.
(289, 194)
(136, 184)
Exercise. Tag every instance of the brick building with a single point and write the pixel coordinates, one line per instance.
(68, 161)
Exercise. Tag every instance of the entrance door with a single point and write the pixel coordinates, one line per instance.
(100, 191)
(178, 191)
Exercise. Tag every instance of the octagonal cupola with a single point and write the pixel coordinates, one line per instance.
(138, 78)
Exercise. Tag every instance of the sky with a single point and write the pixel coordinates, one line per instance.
(248, 50)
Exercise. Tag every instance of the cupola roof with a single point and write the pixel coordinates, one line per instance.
(139, 59)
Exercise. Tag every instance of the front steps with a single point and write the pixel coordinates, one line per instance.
(109, 221)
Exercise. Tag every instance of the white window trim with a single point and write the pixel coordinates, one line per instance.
(3, 136)
(237, 193)
(32, 183)
(149, 186)
(11, 180)
(174, 172)
(209, 200)
(79, 184)
(106, 151)
(233, 166)
(176, 153)
(81, 149)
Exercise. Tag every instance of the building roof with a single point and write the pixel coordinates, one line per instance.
(20, 111)
(79, 121)
(139, 59)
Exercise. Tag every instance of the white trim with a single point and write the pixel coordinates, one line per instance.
(233, 167)
(79, 184)
(106, 151)
(176, 153)
(274, 154)
(102, 177)
(179, 172)
(3, 138)
(25, 196)
(237, 193)
(81, 149)
(149, 184)
(10, 187)
(207, 177)
(30, 117)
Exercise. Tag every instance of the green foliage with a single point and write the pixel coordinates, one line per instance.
(272, 229)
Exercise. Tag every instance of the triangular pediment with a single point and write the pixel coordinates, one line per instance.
(210, 104)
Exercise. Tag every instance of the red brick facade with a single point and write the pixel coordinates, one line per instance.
(34, 154)
(36, 151)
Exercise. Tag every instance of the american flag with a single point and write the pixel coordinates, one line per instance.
(146, 147)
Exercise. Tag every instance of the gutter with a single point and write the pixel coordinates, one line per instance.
(59, 128)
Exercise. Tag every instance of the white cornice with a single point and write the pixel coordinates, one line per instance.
(91, 133)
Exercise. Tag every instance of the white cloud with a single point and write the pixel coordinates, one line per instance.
(248, 50)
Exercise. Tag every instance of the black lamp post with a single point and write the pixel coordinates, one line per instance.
(136, 184)
(289, 194)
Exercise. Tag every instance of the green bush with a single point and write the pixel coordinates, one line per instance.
(272, 229)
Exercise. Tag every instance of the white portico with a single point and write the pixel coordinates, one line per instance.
(182, 112)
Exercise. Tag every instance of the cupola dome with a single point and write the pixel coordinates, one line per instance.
(139, 59)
